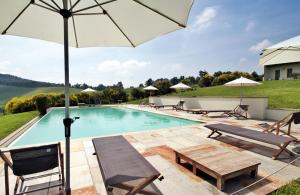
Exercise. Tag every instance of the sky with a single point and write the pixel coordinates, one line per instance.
(226, 35)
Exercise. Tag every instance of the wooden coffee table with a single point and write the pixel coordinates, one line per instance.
(218, 162)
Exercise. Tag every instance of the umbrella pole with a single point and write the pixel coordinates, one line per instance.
(67, 120)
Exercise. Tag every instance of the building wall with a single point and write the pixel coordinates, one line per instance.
(269, 70)
(257, 105)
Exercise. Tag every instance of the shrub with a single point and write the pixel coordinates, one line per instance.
(42, 103)
(21, 104)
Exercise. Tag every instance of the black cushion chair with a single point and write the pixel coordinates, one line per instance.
(40, 161)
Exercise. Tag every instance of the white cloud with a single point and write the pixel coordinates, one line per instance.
(4, 66)
(205, 19)
(118, 67)
(250, 25)
(260, 46)
(242, 60)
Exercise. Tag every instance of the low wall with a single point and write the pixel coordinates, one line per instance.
(257, 105)
(278, 114)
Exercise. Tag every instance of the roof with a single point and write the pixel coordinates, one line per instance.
(282, 53)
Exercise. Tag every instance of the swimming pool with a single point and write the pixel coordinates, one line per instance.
(98, 121)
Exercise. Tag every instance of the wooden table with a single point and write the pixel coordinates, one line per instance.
(218, 162)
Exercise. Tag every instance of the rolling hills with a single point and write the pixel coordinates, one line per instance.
(12, 86)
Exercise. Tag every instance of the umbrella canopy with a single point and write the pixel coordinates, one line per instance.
(150, 88)
(180, 86)
(283, 52)
(88, 90)
(242, 81)
(91, 23)
(94, 23)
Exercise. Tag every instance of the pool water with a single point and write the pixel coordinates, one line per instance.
(93, 122)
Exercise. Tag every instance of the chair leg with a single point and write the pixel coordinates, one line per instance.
(279, 151)
(214, 131)
(138, 188)
(6, 179)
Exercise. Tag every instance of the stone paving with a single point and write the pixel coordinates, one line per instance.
(158, 145)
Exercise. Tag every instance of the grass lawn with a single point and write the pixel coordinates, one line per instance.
(282, 94)
(11, 122)
(292, 188)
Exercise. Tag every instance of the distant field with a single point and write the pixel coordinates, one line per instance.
(8, 92)
(282, 94)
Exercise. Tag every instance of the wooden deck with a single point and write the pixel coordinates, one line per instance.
(220, 163)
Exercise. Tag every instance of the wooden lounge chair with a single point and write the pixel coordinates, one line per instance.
(179, 106)
(240, 112)
(277, 127)
(120, 164)
(34, 160)
(224, 112)
(278, 140)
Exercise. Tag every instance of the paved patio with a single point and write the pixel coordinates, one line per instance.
(157, 146)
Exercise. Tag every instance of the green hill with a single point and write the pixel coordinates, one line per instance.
(282, 94)
(13, 86)
(8, 92)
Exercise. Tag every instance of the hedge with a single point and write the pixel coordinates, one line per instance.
(38, 102)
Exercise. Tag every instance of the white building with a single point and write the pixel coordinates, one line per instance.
(282, 61)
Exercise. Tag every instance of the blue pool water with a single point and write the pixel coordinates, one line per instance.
(95, 122)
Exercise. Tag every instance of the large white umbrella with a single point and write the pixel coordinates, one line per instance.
(91, 23)
(180, 86)
(287, 51)
(88, 91)
(242, 82)
(150, 88)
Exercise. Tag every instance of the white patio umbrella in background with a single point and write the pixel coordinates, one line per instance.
(91, 23)
(89, 91)
(284, 52)
(150, 88)
(241, 82)
(180, 86)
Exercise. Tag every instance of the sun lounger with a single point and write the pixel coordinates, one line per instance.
(121, 164)
(240, 112)
(277, 126)
(206, 112)
(278, 140)
(31, 163)
(178, 106)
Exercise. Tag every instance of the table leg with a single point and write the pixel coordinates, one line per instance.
(254, 173)
(220, 183)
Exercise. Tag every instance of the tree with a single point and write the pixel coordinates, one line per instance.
(42, 103)
(256, 76)
(100, 87)
(202, 73)
(206, 80)
(149, 82)
(218, 73)
(163, 85)
(137, 93)
(120, 85)
(174, 80)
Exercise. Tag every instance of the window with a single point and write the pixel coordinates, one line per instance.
(289, 73)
